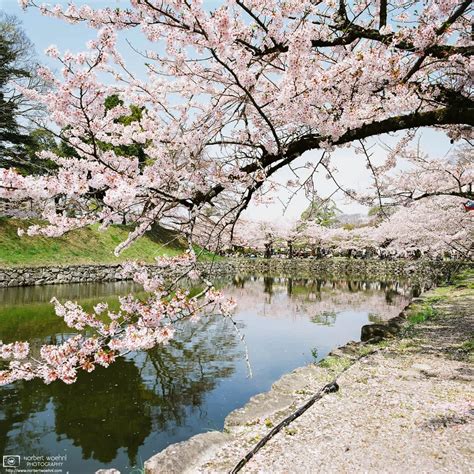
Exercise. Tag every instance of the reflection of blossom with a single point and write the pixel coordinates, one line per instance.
(16, 350)
(315, 298)
(139, 324)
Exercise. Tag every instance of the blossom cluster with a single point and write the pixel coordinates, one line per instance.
(105, 335)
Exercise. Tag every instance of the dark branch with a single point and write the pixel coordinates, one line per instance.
(432, 118)
(383, 13)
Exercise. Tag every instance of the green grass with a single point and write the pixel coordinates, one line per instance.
(468, 346)
(464, 279)
(421, 315)
(335, 363)
(462, 285)
(83, 246)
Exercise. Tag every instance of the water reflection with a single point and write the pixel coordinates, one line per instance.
(119, 407)
(316, 298)
(122, 415)
(74, 291)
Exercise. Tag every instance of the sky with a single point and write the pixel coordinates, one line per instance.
(44, 31)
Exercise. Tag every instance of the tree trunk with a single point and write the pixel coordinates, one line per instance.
(268, 250)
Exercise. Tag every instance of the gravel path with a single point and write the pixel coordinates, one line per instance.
(408, 407)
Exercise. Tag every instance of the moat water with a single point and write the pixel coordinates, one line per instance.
(121, 416)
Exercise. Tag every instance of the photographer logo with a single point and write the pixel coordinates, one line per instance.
(11, 461)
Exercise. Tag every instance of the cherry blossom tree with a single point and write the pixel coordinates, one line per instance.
(228, 97)
(428, 198)
(434, 226)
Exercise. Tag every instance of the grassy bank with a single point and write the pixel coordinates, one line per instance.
(82, 246)
(436, 307)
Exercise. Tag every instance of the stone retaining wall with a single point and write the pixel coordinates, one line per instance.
(31, 276)
(370, 269)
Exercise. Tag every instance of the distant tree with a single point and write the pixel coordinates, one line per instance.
(25, 158)
(17, 66)
(374, 211)
(135, 115)
(321, 211)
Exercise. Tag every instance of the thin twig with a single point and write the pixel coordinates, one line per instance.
(244, 342)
